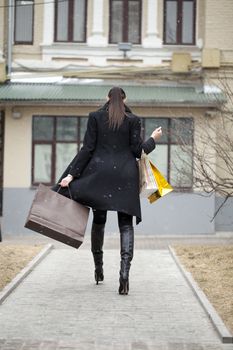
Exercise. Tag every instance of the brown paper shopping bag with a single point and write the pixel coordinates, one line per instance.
(57, 217)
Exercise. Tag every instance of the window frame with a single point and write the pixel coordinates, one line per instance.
(179, 26)
(53, 143)
(70, 23)
(16, 42)
(125, 33)
(169, 143)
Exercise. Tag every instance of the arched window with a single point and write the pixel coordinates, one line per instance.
(70, 20)
(125, 21)
(179, 22)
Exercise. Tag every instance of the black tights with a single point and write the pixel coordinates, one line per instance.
(100, 217)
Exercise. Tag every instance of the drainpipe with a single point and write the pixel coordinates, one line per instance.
(10, 37)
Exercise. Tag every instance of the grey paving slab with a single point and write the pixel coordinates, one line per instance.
(59, 304)
(76, 345)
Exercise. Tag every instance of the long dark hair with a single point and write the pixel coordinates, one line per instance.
(116, 107)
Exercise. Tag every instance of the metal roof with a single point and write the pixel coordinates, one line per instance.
(51, 93)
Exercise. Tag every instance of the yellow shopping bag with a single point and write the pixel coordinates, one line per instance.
(163, 186)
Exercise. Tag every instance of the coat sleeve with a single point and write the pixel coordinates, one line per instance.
(136, 142)
(82, 158)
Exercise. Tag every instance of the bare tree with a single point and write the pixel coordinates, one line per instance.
(209, 163)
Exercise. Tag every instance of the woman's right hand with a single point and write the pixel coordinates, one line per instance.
(66, 180)
(157, 133)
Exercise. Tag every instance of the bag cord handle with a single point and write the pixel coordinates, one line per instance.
(68, 190)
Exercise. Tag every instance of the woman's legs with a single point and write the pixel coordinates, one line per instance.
(125, 223)
(97, 241)
(99, 216)
(124, 219)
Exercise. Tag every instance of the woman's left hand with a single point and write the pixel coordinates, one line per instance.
(157, 133)
(66, 180)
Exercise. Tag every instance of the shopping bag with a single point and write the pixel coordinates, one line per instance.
(57, 217)
(163, 186)
(153, 184)
(148, 184)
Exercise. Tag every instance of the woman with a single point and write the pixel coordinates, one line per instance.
(104, 176)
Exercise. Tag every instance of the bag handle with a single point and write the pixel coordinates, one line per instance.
(68, 190)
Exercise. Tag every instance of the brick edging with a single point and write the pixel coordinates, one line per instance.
(223, 332)
(24, 272)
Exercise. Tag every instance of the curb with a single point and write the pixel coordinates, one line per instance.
(24, 272)
(225, 336)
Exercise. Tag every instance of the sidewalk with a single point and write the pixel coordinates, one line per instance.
(58, 306)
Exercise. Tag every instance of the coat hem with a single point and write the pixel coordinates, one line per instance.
(137, 218)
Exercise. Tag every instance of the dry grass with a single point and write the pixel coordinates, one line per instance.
(13, 258)
(212, 268)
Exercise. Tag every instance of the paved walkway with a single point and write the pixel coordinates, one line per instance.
(58, 306)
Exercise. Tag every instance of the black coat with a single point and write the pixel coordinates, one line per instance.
(105, 170)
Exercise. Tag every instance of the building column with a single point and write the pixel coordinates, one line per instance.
(151, 39)
(97, 37)
(48, 28)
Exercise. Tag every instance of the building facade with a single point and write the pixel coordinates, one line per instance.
(58, 60)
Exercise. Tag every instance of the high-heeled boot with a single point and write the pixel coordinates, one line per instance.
(97, 241)
(127, 249)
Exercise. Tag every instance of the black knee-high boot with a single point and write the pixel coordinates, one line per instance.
(127, 249)
(97, 241)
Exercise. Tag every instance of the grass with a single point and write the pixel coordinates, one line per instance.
(212, 268)
(13, 258)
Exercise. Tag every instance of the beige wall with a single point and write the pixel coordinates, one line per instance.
(106, 18)
(160, 19)
(219, 28)
(2, 62)
(17, 151)
(144, 16)
(1, 30)
(89, 17)
(200, 22)
(204, 152)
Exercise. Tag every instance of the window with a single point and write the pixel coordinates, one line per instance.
(24, 17)
(70, 20)
(56, 140)
(179, 22)
(125, 21)
(173, 153)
